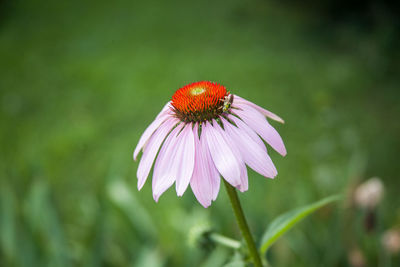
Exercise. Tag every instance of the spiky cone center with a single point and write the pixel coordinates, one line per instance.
(200, 101)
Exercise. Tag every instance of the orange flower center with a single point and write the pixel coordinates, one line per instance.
(199, 101)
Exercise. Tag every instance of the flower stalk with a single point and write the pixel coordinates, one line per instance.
(244, 228)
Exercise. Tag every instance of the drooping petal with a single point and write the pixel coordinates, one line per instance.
(216, 179)
(241, 125)
(182, 165)
(161, 117)
(244, 179)
(205, 179)
(239, 100)
(165, 110)
(254, 155)
(260, 125)
(222, 154)
(163, 177)
(151, 149)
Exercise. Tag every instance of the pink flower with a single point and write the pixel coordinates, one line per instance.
(202, 133)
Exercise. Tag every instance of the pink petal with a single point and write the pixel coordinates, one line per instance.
(244, 179)
(260, 125)
(182, 165)
(216, 179)
(163, 177)
(205, 179)
(253, 154)
(165, 110)
(161, 117)
(151, 149)
(243, 126)
(222, 154)
(267, 113)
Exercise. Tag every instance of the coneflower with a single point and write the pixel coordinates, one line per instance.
(203, 133)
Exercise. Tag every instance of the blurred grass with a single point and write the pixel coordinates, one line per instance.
(81, 81)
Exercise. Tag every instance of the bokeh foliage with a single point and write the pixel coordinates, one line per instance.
(80, 81)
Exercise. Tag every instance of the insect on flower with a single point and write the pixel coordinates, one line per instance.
(203, 133)
(227, 103)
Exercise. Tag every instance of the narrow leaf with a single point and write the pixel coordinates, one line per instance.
(286, 221)
(120, 194)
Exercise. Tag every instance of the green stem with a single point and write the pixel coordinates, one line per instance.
(244, 228)
(225, 241)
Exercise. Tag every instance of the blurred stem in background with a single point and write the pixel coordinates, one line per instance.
(225, 241)
(241, 220)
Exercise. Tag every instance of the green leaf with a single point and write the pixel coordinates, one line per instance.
(217, 257)
(236, 261)
(286, 221)
(120, 194)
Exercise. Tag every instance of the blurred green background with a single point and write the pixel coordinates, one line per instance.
(80, 81)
